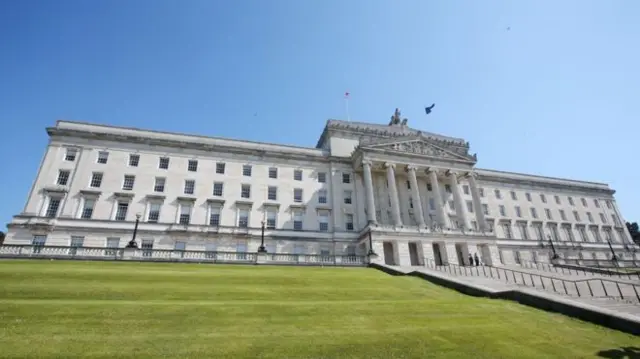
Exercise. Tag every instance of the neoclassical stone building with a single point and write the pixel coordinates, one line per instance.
(414, 196)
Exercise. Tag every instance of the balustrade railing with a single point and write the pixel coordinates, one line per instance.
(585, 268)
(591, 287)
(172, 255)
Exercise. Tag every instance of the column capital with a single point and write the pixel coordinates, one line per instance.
(412, 168)
(389, 164)
(471, 174)
(450, 173)
(367, 163)
(432, 170)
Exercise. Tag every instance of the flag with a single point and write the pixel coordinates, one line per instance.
(346, 94)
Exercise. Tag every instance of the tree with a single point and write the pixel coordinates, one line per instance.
(634, 231)
(1, 237)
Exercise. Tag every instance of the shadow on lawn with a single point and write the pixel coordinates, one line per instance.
(621, 353)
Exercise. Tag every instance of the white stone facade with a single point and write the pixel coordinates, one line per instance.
(415, 196)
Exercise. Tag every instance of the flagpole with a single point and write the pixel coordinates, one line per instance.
(346, 105)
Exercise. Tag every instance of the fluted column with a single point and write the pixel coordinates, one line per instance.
(477, 204)
(461, 209)
(395, 204)
(441, 216)
(368, 186)
(415, 192)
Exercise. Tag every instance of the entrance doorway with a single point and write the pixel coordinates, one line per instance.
(485, 254)
(414, 254)
(437, 254)
(389, 257)
(463, 254)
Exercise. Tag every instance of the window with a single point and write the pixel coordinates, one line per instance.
(75, 243)
(63, 177)
(245, 191)
(432, 204)
(528, 196)
(506, 228)
(447, 188)
(112, 245)
(297, 175)
(220, 168)
(503, 211)
(534, 213)
(159, 184)
(537, 227)
(272, 193)
(465, 189)
(554, 232)
(322, 196)
(608, 202)
(214, 216)
(429, 188)
(189, 186)
(348, 221)
(128, 182)
(273, 172)
(589, 217)
(297, 195)
(616, 220)
(522, 227)
(241, 250)
(271, 219)
(154, 212)
(474, 225)
(134, 160)
(481, 191)
(185, 213)
(243, 218)
(408, 184)
(322, 177)
(469, 206)
(52, 209)
(71, 154)
(570, 200)
(584, 202)
(192, 166)
(603, 219)
(562, 215)
(518, 213)
(543, 198)
(498, 194)
(557, 198)
(595, 234)
(38, 242)
(87, 208)
(163, 163)
(514, 196)
(103, 157)
(347, 197)
(567, 233)
(410, 202)
(323, 218)
(180, 247)
(218, 188)
(583, 234)
(121, 211)
(576, 216)
(147, 247)
(346, 178)
(596, 203)
(452, 205)
(297, 221)
(246, 170)
(96, 180)
(547, 212)
(485, 209)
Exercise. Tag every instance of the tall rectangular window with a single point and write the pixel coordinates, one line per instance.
(465, 189)
(154, 212)
(214, 216)
(589, 217)
(346, 178)
(63, 177)
(103, 157)
(469, 206)
(297, 195)
(323, 219)
(297, 175)
(570, 200)
(576, 216)
(503, 211)
(322, 177)
(584, 202)
(113, 243)
(534, 213)
(128, 182)
(159, 184)
(245, 191)
(192, 166)
(96, 180)
(603, 219)
(557, 198)
(163, 163)
(543, 198)
(498, 194)
(348, 220)
(271, 219)
(147, 247)
(562, 215)
(246, 170)
(243, 218)
(273, 172)
(524, 234)
(220, 167)
(189, 186)
(75, 243)
(514, 196)
(596, 203)
(528, 196)
(121, 210)
(70, 154)
(506, 228)
(54, 205)
(185, 213)
(272, 193)
(218, 188)
(347, 197)
(547, 212)
(485, 208)
(38, 242)
(87, 208)
(134, 160)
(518, 212)
(322, 196)
(583, 234)
(297, 221)
(432, 204)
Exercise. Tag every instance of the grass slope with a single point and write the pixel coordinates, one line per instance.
(144, 310)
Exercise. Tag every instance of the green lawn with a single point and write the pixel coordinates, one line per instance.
(67, 309)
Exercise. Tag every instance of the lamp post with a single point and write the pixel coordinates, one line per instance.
(614, 258)
(132, 243)
(262, 249)
(553, 248)
(371, 254)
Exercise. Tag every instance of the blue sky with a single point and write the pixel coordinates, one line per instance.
(554, 95)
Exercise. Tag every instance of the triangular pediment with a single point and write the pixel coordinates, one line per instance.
(418, 146)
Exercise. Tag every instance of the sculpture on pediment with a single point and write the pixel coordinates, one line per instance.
(396, 119)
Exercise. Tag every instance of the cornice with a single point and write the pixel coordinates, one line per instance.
(538, 182)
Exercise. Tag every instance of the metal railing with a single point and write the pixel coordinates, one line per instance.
(579, 270)
(172, 255)
(594, 287)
